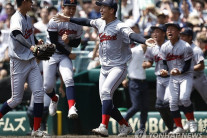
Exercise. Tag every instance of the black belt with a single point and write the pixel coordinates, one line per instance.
(164, 76)
(137, 80)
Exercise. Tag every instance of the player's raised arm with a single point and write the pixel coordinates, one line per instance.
(140, 39)
(79, 21)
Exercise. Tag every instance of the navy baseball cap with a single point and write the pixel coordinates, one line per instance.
(187, 31)
(69, 2)
(158, 26)
(175, 24)
(110, 3)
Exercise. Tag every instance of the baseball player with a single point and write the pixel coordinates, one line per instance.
(199, 77)
(177, 55)
(23, 66)
(65, 35)
(114, 53)
(162, 90)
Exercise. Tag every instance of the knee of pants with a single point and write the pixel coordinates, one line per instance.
(105, 96)
(69, 82)
(48, 88)
(185, 102)
(174, 106)
(38, 96)
(14, 102)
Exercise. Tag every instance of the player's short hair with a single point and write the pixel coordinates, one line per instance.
(19, 2)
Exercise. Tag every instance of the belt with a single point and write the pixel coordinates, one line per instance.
(194, 77)
(137, 80)
(164, 76)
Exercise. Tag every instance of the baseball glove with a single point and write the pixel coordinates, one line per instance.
(44, 51)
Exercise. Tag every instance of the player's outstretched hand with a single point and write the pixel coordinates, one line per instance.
(163, 72)
(61, 18)
(150, 42)
(175, 71)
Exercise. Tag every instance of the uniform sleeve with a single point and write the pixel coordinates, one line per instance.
(125, 31)
(198, 55)
(188, 53)
(148, 54)
(96, 23)
(52, 26)
(16, 24)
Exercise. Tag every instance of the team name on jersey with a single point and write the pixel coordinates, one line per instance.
(67, 31)
(105, 37)
(173, 57)
(28, 33)
(157, 58)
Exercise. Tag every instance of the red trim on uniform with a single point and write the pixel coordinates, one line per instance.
(178, 122)
(105, 120)
(123, 121)
(118, 80)
(37, 121)
(1, 115)
(54, 98)
(71, 103)
(189, 116)
(12, 85)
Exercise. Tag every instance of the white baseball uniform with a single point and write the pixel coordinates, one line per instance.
(23, 66)
(199, 77)
(162, 89)
(114, 53)
(180, 85)
(59, 60)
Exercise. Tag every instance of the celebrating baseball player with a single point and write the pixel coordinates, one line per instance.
(199, 77)
(114, 53)
(23, 65)
(152, 54)
(65, 35)
(178, 55)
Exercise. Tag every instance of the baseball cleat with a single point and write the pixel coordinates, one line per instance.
(53, 106)
(178, 130)
(72, 113)
(124, 130)
(39, 133)
(193, 126)
(101, 130)
(187, 126)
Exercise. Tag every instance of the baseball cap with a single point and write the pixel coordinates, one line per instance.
(175, 24)
(110, 3)
(158, 26)
(69, 2)
(187, 31)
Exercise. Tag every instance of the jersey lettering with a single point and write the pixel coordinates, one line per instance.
(105, 37)
(157, 58)
(63, 31)
(173, 57)
(28, 33)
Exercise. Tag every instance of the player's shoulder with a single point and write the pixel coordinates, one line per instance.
(167, 43)
(120, 24)
(196, 48)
